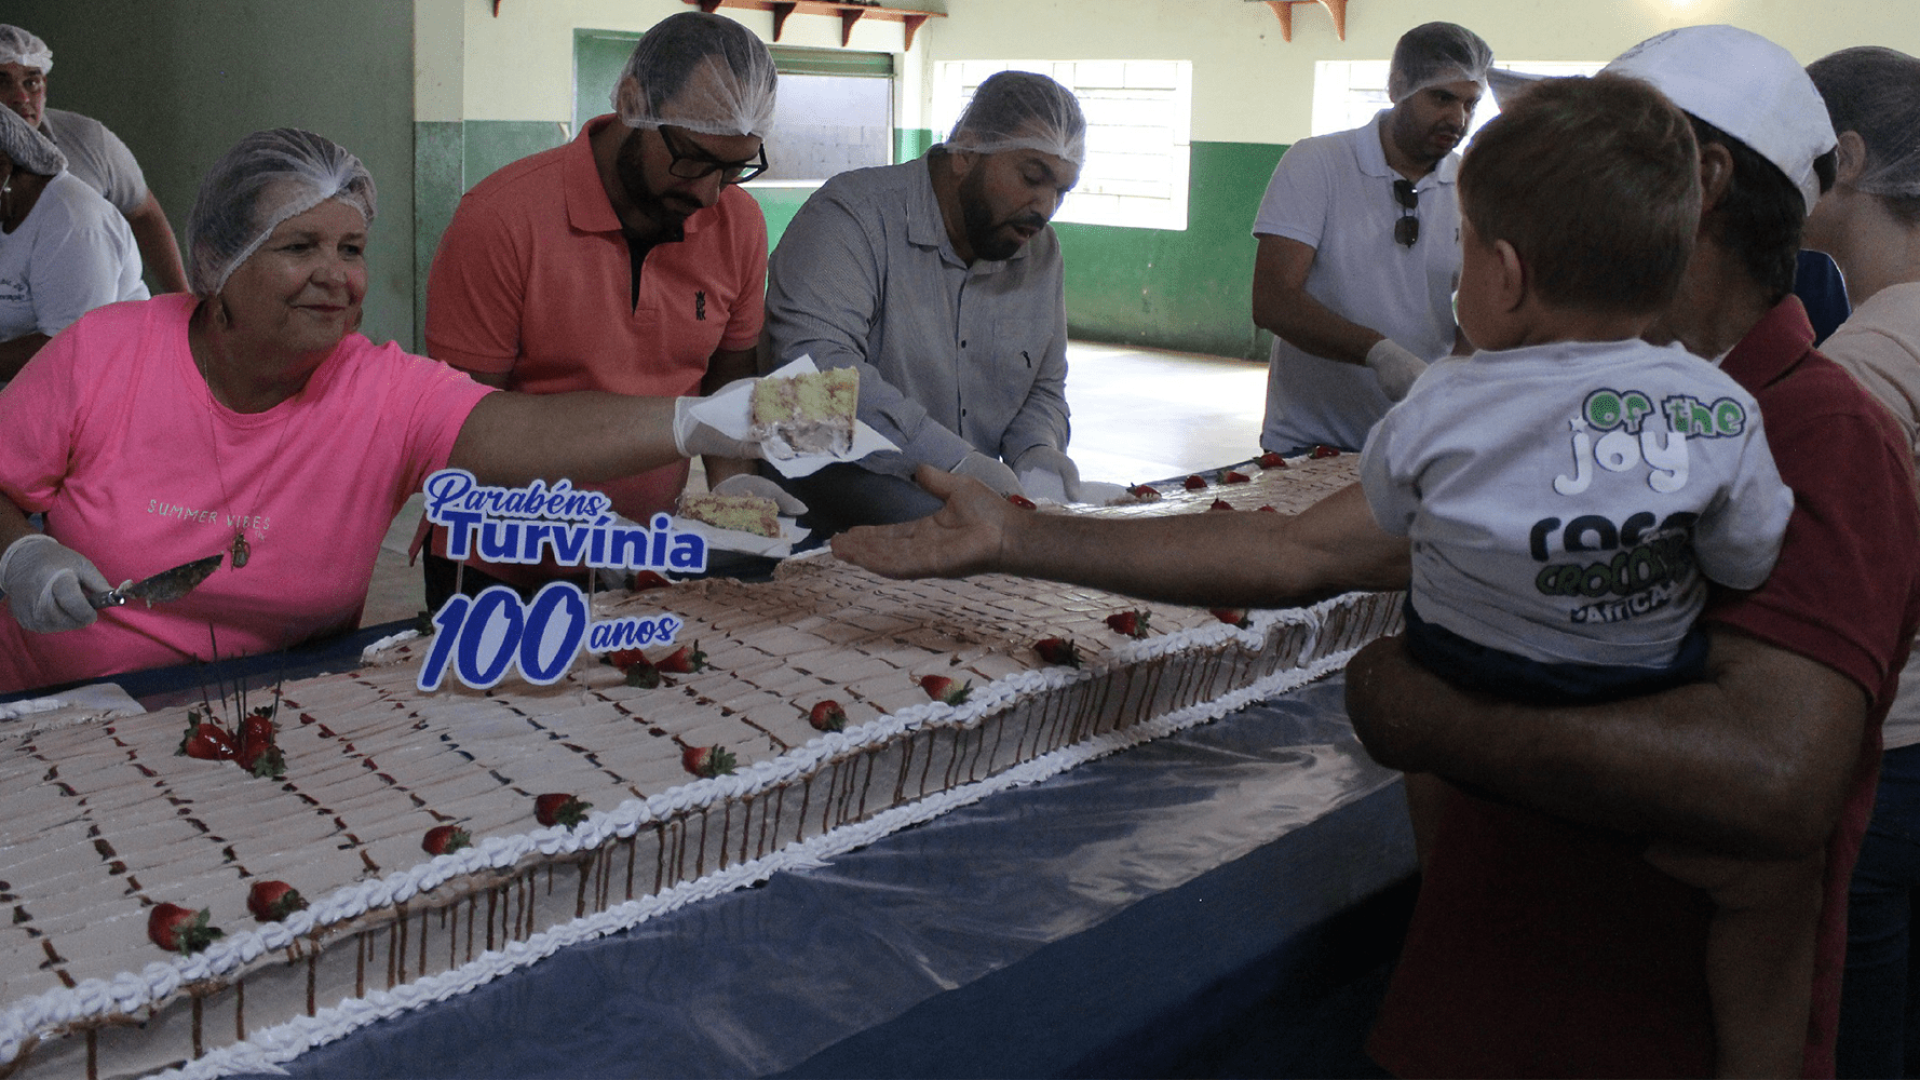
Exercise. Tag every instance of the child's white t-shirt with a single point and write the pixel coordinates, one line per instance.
(1549, 493)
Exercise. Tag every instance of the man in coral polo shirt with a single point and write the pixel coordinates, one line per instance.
(626, 260)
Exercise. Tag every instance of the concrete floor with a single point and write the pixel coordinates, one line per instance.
(1138, 415)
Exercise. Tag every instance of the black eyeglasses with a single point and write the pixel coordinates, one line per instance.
(1407, 229)
(695, 164)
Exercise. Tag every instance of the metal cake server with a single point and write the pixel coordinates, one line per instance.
(165, 586)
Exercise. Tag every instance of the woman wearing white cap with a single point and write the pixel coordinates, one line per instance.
(249, 419)
(63, 250)
(1870, 224)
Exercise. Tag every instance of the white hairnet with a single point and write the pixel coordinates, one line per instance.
(1021, 110)
(27, 148)
(700, 72)
(266, 178)
(1435, 53)
(1875, 93)
(17, 46)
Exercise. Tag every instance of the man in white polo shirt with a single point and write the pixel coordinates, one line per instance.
(1360, 249)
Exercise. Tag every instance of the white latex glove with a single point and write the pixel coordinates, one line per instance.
(693, 438)
(747, 484)
(990, 472)
(1395, 367)
(1047, 459)
(47, 584)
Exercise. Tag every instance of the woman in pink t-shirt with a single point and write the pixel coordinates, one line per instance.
(250, 420)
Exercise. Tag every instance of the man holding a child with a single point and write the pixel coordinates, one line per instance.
(1544, 941)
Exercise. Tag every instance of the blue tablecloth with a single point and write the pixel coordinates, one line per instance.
(1219, 901)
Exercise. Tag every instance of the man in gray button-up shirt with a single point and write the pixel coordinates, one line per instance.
(940, 280)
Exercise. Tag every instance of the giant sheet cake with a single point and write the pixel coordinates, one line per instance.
(104, 820)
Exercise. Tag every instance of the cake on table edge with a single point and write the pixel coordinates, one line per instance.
(850, 706)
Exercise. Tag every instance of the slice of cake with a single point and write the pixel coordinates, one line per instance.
(746, 513)
(807, 414)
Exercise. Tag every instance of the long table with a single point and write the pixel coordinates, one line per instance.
(1223, 901)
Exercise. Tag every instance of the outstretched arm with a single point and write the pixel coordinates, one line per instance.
(585, 436)
(1753, 762)
(1239, 559)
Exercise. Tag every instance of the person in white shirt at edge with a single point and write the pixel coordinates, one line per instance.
(94, 154)
(1359, 249)
(940, 280)
(63, 250)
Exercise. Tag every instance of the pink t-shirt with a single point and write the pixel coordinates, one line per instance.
(111, 432)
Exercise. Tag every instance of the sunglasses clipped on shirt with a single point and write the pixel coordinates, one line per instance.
(694, 164)
(1407, 229)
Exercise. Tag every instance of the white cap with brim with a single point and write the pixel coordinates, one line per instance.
(1744, 85)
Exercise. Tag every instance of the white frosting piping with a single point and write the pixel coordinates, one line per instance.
(129, 992)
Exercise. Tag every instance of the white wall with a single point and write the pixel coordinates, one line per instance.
(472, 65)
(1251, 86)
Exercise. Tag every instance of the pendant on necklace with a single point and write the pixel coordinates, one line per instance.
(242, 551)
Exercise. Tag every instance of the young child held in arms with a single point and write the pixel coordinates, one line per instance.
(1569, 489)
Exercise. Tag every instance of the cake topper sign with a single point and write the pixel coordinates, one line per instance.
(482, 639)
(577, 528)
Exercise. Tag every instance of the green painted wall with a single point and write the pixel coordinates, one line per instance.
(1190, 290)
(181, 80)
(911, 144)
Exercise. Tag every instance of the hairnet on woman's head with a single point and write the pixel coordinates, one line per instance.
(1435, 53)
(1875, 93)
(17, 46)
(700, 72)
(27, 148)
(1021, 110)
(266, 178)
